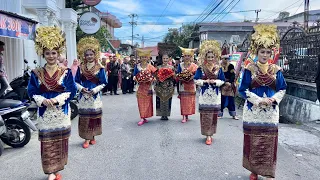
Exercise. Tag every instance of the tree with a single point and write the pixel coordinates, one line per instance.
(101, 34)
(182, 36)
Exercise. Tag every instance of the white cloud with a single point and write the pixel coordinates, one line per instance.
(150, 28)
(127, 41)
(123, 6)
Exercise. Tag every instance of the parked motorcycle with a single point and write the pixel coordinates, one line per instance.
(16, 123)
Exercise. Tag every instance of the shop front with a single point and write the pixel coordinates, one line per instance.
(14, 30)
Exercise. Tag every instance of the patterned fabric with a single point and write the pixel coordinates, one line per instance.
(228, 90)
(187, 91)
(260, 149)
(145, 102)
(90, 107)
(208, 121)
(54, 149)
(163, 108)
(187, 103)
(144, 93)
(260, 123)
(164, 91)
(89, 124)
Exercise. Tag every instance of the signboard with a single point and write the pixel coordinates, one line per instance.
(16, 28)
(89, 23)
(91, 2)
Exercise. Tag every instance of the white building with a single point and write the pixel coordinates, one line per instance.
(46, 13)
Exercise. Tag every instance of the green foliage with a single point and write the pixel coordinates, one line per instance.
(102, 34)
(180, 37)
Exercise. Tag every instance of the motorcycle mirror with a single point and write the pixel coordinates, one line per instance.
(25, 61)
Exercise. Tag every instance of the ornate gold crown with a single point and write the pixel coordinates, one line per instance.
(88, 43)
(49, 38)
(144, 53)
(186, 51)
(207, 46)
(265, 36)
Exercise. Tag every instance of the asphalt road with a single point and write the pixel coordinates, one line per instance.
(159, 150)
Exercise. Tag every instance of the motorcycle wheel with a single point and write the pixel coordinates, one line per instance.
(1, 148)
(74, 110)
(20, 131)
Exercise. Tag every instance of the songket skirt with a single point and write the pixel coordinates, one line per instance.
(260, 149)
(208, 119)
(54, 149)
(90, 123)
(187, 103)
(163, 108)
(145, 100)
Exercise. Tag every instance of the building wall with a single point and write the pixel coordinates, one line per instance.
(226, 36)
(17, 50)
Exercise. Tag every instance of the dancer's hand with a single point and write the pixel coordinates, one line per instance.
(85, 90)
(212, 81)
(47, 103)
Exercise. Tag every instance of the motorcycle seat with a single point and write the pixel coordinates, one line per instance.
(9, 103)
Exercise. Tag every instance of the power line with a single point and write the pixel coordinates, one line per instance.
(206, 9)
(230, 10)
(161, 15)
(282, 10)
(224, 10)
(299, 7)
(213, 10)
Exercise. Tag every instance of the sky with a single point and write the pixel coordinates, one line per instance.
(156, 16)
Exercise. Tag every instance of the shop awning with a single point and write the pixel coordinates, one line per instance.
(15, 26)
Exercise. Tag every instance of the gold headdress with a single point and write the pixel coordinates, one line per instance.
(207, 46)
(265, 36)
(88, 43)
(186, 51)
(145, 53)
(49, 38)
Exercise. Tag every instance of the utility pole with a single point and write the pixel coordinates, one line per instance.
(306, 14)
(257, 12)
(142, 42)
(133, 23)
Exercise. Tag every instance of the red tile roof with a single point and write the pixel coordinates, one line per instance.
(115, 43)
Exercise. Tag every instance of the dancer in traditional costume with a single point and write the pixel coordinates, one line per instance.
(209, 77)
(143, 74)
(263, 86)
(91, 79)
(187, 88)
(228, 89)
(52, 87)
(164, 88)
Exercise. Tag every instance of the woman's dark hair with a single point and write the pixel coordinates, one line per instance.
(2, 43)
(208, 53)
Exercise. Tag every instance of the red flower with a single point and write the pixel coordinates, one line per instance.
(144, 76)
(185, 76)
(165, 73)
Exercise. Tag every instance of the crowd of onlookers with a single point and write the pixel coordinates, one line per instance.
(119, 71)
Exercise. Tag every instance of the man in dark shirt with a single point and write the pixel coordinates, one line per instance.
(132, 63)
(113, 68)
(125, 76)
